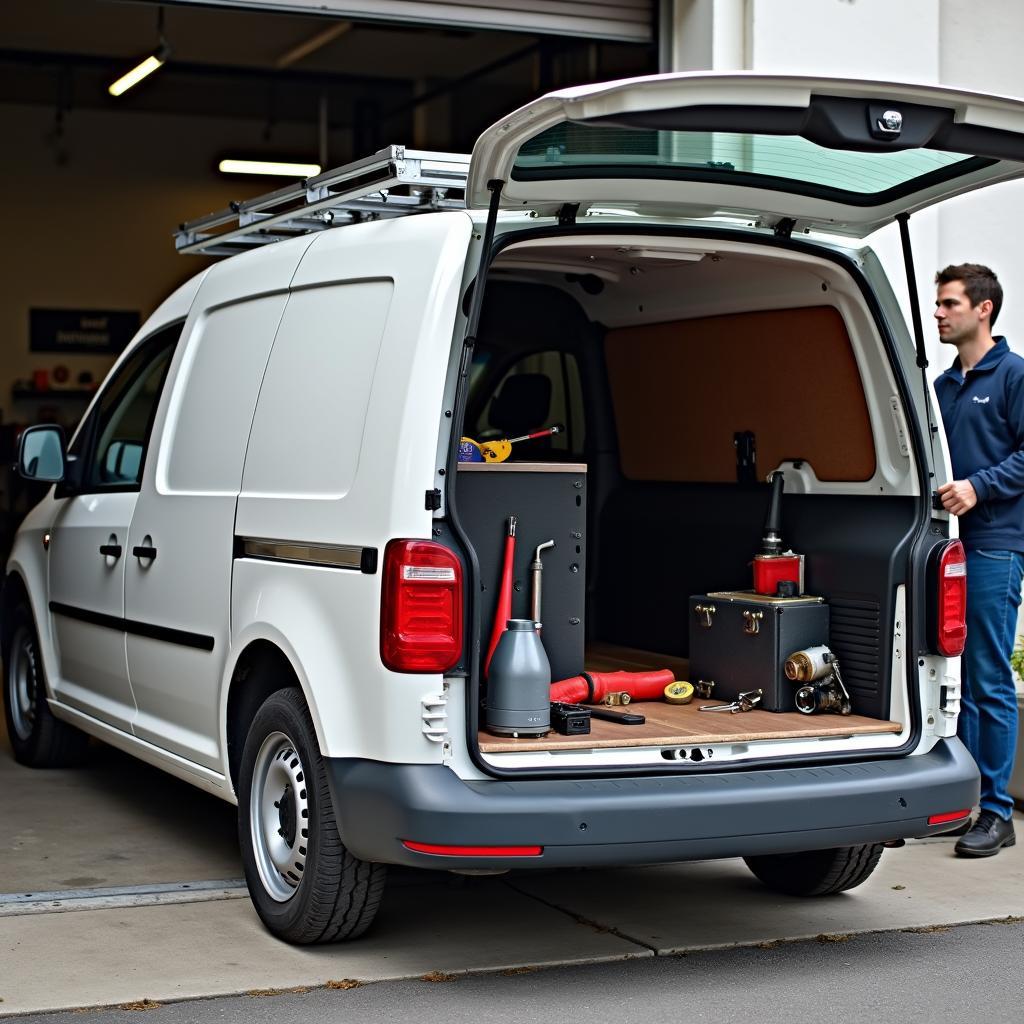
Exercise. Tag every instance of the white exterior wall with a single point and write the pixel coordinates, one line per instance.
(972, 44)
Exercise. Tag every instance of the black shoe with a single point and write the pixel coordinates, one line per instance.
(989, 835)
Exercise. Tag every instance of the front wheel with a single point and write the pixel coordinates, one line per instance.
(306, 886)
(37, 738)
(816, 872)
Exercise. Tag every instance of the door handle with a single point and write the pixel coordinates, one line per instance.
(144, 551)
(111, 550)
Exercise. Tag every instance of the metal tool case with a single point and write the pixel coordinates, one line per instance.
(741, 640)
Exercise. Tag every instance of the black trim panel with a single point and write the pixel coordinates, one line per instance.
(181, 637)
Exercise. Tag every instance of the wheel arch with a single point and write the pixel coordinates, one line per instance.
(14, 592)
(262, 667)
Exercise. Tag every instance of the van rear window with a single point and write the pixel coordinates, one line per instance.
(579, 150)
(682, 390)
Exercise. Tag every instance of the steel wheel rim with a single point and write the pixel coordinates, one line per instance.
(23, 684)
(279, 816)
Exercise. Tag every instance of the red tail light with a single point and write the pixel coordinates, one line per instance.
(421, 607)
(952, 600)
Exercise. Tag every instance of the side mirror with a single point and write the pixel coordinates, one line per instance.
(42, 454)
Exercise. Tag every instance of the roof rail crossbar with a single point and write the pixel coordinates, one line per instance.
(356, 191)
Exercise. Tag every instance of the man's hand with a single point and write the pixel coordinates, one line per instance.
(958, 497)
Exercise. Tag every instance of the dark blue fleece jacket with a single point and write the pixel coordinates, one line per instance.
(984, 419)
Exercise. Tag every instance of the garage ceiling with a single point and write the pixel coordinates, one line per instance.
(234, 62)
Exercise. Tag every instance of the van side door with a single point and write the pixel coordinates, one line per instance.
(89, 537)
(180, 544)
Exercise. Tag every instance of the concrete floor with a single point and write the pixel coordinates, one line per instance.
(113, 822)
(113, 846)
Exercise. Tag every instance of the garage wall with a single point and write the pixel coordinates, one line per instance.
(89, 217)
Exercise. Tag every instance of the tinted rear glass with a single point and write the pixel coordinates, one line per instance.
(580, 150)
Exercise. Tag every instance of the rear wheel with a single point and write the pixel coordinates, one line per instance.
(305, 885)
(38, 739)
(816, 872)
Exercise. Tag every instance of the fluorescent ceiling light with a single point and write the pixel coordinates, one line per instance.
(137, 74)
(275, 167)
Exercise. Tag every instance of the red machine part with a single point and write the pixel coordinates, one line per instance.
(770, 570)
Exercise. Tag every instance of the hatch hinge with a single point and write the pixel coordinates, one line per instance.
(432, 501)
(567, 214)
(784, 227)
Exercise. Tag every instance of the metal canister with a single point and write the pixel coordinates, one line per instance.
(519, 683)
(809, 664)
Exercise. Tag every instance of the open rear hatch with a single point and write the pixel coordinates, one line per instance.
(832, 155)
(773, 152)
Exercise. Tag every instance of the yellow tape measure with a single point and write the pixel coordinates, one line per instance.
(679, 692)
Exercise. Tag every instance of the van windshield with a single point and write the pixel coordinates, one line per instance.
(784, 162)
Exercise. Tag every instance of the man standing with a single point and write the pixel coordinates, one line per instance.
(982, 401)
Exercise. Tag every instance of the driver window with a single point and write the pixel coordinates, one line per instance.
(530, 393)
(124, 416)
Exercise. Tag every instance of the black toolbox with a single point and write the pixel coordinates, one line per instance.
(740, 640)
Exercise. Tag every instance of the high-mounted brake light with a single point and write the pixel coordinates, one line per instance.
(421, 607)
(951, 620)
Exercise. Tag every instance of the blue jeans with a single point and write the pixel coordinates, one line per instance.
(988, 712)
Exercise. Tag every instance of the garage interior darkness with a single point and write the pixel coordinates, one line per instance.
(95, 184)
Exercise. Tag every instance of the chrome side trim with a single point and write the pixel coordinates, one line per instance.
(334, 556)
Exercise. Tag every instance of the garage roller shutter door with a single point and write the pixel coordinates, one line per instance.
(624, 20)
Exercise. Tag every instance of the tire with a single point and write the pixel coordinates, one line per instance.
(816, 872)
(306, 887)
(38, 739)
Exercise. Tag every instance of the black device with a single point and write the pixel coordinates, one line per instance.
(741, 640)
(570, 719)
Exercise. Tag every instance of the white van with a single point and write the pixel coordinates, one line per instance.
(263, 568)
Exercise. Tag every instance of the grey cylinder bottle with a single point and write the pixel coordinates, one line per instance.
(519, 683)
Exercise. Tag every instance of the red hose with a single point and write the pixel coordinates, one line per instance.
(503, 611)
(639, 685)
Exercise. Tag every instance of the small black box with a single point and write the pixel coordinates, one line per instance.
(570, 719)
(741, 640)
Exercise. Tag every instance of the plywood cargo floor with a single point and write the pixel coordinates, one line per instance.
(684, 725)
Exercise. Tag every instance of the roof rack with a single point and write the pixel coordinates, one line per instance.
(394, 182)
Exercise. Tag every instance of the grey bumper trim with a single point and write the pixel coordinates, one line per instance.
(646, 820)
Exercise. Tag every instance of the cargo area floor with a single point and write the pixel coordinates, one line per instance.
(683, 725)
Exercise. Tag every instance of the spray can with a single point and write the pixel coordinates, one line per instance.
(519, 683)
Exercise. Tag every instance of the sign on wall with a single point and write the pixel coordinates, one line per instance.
(81, 330)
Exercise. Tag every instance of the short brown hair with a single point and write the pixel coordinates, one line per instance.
(980, 283)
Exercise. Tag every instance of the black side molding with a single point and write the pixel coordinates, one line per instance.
(181, 637)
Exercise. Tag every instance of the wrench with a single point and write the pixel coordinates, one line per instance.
(746, 701)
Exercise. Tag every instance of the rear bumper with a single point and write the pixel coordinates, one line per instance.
(645, 820)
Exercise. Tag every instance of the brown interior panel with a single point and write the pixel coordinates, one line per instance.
(681, 390)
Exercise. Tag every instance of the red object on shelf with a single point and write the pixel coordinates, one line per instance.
(41, 380)
(639, 685)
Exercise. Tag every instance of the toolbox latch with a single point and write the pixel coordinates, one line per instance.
(752, 621)
(704, 613)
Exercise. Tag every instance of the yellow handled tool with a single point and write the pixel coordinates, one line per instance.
(499, 451)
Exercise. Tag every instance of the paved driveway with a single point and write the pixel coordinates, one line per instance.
(121, 884)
